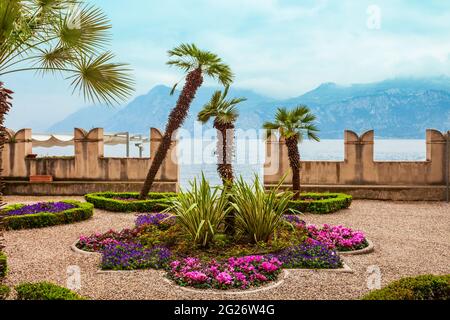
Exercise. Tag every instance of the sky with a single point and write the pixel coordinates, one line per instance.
(279, 48)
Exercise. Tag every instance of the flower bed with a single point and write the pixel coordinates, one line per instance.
(242, 272)
(338, 237)
(129, 202)
(321, 203)
(45, 214)
(309, 255)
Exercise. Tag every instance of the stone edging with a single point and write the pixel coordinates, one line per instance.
(79, 251)
(369, 249)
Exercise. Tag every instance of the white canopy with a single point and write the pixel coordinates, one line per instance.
(57, 140)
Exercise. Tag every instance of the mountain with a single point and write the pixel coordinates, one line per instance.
(86, 118)
(396, 108)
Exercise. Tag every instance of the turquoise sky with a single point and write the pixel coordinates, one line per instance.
(279, 48)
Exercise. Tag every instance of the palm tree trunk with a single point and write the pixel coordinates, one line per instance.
(5, 106)
(294, 161)
(225, 145)
(194, 81)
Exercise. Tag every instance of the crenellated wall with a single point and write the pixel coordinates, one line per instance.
(359, 167)
(88, 163)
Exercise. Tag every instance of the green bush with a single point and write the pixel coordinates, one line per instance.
(156, 202)
(4, 292)
(427, 287)
(82, 211)
(3, 265)
(45, 291)
(321, 203)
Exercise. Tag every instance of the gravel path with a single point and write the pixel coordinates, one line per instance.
(410, 239)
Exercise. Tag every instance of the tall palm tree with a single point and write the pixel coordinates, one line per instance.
(225, 115)
(293, 125)
(195, 63)
(60, 36)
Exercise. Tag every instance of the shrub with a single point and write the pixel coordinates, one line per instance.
(321, 203)
(45, 291)
(129, 202)
(134, 256)
(309, 255)
(78, 211)
(426, 287)
(3, 265)
(201, 211)
(258, 214)
(242, 273)
(4, 292)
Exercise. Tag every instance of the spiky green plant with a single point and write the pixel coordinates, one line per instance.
(258, 213)
(201, 211)
(196, 63)
(293, 125)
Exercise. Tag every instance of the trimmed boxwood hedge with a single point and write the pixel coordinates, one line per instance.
(45, 291)
(156, 202)
(321, 203)
(427, 287)
(82, 211)
(3, 265)
(4, 292)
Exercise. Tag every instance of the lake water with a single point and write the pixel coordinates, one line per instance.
(197, 156)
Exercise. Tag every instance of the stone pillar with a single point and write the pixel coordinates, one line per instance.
(169, 170)
(89, 147)
(17, 148)
(436, 154)
(359, 158)
(276, 165)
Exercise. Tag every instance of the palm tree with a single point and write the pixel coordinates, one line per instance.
(60, 36)
(225, 115)
(195, 63)
(293, 125)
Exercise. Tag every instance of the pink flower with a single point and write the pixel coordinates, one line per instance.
(224, 278)
(196, 276)
(269, 267)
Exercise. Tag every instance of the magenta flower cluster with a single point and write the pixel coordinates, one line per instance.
(99, 241)
(338, 237)
(242, 272)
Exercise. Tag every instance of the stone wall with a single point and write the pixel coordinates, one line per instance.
(360, 169)
(88, 163)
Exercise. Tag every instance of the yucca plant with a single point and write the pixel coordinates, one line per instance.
(201, 211)
(258, 213)
(196, 63)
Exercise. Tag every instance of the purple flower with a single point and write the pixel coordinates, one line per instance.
(51, 207)
(155, 219)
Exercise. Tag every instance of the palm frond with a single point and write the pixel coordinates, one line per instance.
(100, 80)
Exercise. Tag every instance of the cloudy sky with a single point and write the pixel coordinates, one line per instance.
(281, 48)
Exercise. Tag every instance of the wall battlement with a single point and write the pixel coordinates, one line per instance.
(88, 162)
(359, 166)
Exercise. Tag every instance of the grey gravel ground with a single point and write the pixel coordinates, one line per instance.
(410, 239)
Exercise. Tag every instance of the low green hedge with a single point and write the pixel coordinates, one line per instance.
(156, 202)
(45, 291)
(427, 287)
(4, 292)
(321, 203)
(82, 211)
(3, 265)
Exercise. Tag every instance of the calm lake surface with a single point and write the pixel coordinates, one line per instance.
(197, 156)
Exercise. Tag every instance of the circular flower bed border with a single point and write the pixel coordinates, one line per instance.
(321, 203)
(120, 201)
(78, 212)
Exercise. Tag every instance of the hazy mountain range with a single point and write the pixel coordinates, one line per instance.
(399, 108)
